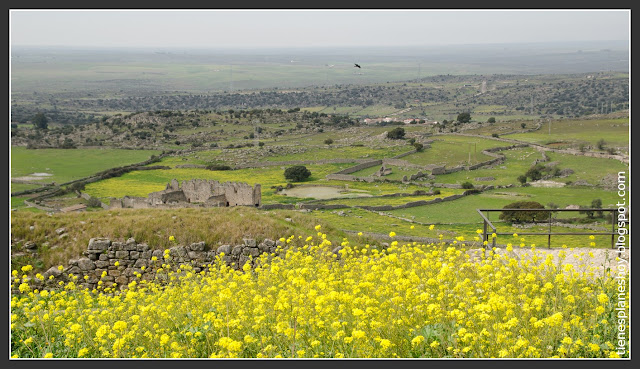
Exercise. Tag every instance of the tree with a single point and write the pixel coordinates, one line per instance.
(523, 125)
(328, 141)
(523, 216)
(534, 173)
(467, 185)
(491, 120)
(419, 147)
(297, 173)
(522, 179)
(464, 117)
(40, 121)
(396, 133)
(601, 144)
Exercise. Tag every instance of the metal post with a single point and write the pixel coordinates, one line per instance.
(549, 241)
(485, 238)
(613, 229)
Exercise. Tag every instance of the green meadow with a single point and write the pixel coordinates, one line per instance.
(615, 133)
(68, 165)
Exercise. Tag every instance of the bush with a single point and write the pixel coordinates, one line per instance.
(467, 185)
(523, 216)
(495, 135)
(328, 141)
(534, 173)
(464, 118)
(419, 147)
(491, 120)
(396, 133)
(522, 179)
(297, 173)
(94, 202)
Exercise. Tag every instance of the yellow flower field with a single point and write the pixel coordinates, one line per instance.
(408, 301)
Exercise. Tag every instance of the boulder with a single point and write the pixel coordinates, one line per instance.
(99, 244)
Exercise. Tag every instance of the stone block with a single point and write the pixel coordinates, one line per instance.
(99, 244)
(249, 242)
(198, 246)
(134, 255)
(86, 264)
(122, 254)
(237, 250)
(226, 249)
(102, 264)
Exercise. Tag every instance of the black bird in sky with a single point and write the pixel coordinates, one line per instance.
(356, 65)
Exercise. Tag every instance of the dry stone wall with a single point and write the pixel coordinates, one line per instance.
(124, 262)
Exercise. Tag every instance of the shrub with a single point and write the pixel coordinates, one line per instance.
(523, 216)
(467, 185)
(94, 202)
(464, 118)
(522, 179)
(491, 120)
(419, 147)
(297, 173)
(328, 141)
(495, 135)
(534, 173)
(396, 133)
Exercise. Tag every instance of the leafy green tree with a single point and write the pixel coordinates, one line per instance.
(40, 121)
(396, 133)
(297, 173)
(464, 117)
(522, 179)
(534, 173)
(491, 120)
(418, 146)
(515, 216)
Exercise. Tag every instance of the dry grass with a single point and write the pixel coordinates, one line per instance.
(152, 226)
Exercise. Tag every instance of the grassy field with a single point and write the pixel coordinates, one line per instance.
(67, 165)
(453, 150)
(615, 133)
(396, 172)
(340, 152)
(141, 183)
(463, 210)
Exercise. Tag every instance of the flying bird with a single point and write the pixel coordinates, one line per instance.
(356, 65)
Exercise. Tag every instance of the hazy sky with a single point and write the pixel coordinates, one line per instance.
(297, 28)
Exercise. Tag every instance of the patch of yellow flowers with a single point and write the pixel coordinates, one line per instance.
(407, 301)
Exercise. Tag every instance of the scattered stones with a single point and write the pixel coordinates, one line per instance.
(60, 231)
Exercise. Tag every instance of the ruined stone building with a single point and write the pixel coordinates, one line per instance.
(196, 193)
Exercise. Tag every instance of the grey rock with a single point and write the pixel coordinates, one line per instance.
(134, 255)
(101, 264)
(61, 230)
(249, 242)
(269, 242)
(142, 247)
(158, 254)
(53, 271)
(237, 250)
(226, 249)
(122, 254)
(198, 246)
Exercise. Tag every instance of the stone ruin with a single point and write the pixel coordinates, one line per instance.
(383, 171)
(125, 262)
(196, 193)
